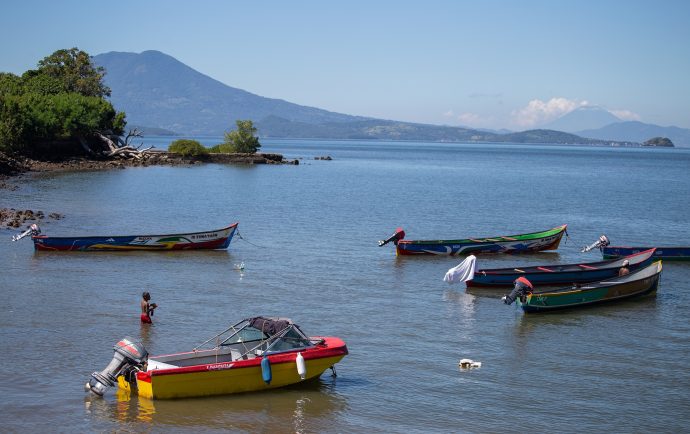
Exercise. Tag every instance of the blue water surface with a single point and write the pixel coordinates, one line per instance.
(309, 244)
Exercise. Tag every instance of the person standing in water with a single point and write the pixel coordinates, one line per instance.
(147, 308)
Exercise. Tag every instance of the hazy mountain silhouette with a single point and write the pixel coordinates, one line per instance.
(157, 90)
(583, 118)
(638, 132)
(160, 93)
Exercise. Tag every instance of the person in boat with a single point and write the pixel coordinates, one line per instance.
(624, 269)
(521, 289)
(147, 308)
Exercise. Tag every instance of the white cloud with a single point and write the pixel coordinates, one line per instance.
(539, 112)
(470, 119)
(626, 115)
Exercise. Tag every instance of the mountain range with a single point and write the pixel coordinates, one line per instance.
(160, 93)
(598, 123)
(583, 118)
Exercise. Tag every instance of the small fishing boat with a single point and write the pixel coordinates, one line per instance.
(637, 283)
(208, 240)
(522, 243)
(255, 354)
(666, 253)
(560, 274)
(674, 253)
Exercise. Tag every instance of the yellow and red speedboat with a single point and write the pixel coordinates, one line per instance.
(255, 354)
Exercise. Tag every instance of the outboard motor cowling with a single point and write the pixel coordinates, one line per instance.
(33, 231)
(602, 242)
(522, 289)
(397, 236)
(129, 355)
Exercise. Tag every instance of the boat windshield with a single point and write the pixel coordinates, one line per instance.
(247, 334)
(293, 338)
(261, 334)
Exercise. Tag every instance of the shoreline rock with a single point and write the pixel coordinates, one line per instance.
(15, 218)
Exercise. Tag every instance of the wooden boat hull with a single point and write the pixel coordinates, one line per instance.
(666, 253)
(523, 243)
(560, 274)
(210, 240)
(639, 283)
(237, 376)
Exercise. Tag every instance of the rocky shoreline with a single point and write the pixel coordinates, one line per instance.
(16, 165)
(15, 218)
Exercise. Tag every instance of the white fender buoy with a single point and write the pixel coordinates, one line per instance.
(301, 366)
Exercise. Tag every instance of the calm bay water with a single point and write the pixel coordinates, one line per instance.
(310, 254)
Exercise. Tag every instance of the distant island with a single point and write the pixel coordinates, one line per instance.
(373, 129)
(659, 141)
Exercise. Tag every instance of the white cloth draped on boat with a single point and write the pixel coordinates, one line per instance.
(462, 272)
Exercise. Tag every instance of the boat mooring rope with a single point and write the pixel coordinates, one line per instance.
(247, 241)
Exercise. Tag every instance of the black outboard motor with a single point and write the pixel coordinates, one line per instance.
(602, 242)
(522, 288)
(397, 236)
(130, 356)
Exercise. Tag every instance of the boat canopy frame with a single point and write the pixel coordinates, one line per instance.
(264, 340)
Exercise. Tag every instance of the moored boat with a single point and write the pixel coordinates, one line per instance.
(669, 253)
(638, 283)
(255, 354)
(208, 240)
(666, 253)
(521, 243)
(560, 274)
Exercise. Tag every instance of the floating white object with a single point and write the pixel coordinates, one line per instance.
(239, 266)
(469, 363)
(301, 366)
(462, 272)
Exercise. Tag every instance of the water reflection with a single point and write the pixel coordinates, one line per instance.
(306, 407)
(145, 334)
(465, 300)
(496, 293)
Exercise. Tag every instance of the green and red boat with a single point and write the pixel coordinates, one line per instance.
(636, 284)
(522, 243)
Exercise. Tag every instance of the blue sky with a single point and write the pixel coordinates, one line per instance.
(485, 64)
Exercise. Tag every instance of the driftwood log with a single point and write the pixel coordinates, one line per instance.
(113, 146)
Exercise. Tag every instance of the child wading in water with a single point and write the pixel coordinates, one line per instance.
(147, 308)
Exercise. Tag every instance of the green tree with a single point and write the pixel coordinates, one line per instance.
(51, 109)
(186, 147)
(242, 139)
(10, 84)
(75, 71)
(11, 124)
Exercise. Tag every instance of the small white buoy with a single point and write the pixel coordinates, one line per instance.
(469, 363)
(301, 366)
(239, 266)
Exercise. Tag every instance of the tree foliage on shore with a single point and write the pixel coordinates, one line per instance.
(188, 148)
(242, 140)
(52, 109)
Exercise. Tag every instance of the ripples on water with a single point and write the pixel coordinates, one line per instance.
(310, 253)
